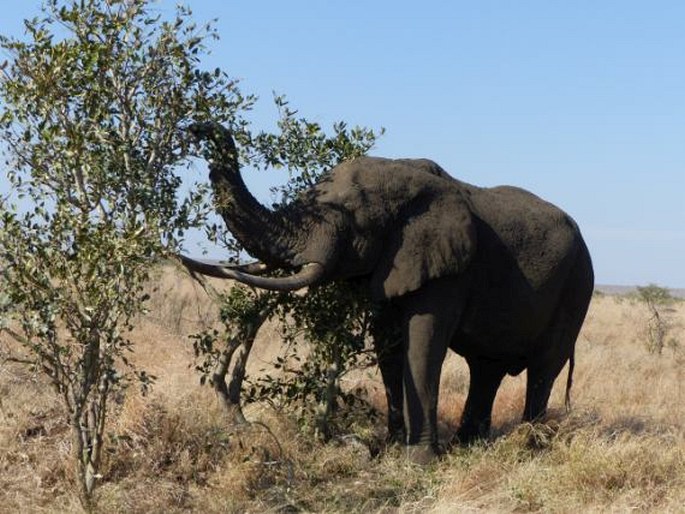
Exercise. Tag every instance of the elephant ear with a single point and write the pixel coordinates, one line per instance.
(437, 239)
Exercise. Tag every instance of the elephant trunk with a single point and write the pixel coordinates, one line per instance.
(262, 232)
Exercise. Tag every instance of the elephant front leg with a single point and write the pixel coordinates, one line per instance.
(425, 352)
(430, 317)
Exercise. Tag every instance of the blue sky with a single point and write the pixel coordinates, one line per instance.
(581, 102)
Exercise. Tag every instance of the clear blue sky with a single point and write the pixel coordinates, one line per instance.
(581, 102)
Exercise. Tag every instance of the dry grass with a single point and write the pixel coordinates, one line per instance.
(621, 449)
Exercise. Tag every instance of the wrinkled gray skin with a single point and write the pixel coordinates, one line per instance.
(498, 275)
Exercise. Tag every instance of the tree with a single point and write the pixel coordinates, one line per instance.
(657, 299)
(93, 110)
(333, 320)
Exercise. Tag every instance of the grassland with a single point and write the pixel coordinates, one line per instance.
(622, 448)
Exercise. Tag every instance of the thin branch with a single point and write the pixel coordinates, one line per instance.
(17, 360)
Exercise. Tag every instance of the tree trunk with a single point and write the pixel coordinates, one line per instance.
(230, 393)
(329, 402)
(87, 428)
(80, 460)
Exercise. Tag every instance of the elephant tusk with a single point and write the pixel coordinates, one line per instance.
(252, 268)
(307, 276)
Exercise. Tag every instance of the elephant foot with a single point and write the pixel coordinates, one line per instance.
(422, 454)
(471, 432)
(396, 437)
(467, 437)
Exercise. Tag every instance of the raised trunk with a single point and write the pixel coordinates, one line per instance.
(262, 232)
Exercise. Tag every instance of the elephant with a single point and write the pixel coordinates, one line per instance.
(498, 275)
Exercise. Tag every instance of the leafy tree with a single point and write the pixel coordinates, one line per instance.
(92, 110)
(332, 321)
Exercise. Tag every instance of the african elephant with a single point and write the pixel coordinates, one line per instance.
(498, 275)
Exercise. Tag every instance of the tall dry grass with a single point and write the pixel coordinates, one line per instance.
(621, 449)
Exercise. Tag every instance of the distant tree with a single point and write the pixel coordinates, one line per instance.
(93, 107)
(656, 299)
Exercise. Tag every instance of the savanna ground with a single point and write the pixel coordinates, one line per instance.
(621, 448)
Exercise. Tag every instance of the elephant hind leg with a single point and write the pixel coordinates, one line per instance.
(387, 338)
(557, 347)
(557, 344)
(485, 379)
(538, 390)
(391, 364)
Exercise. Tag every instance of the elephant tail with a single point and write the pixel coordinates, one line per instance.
(569, 381)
